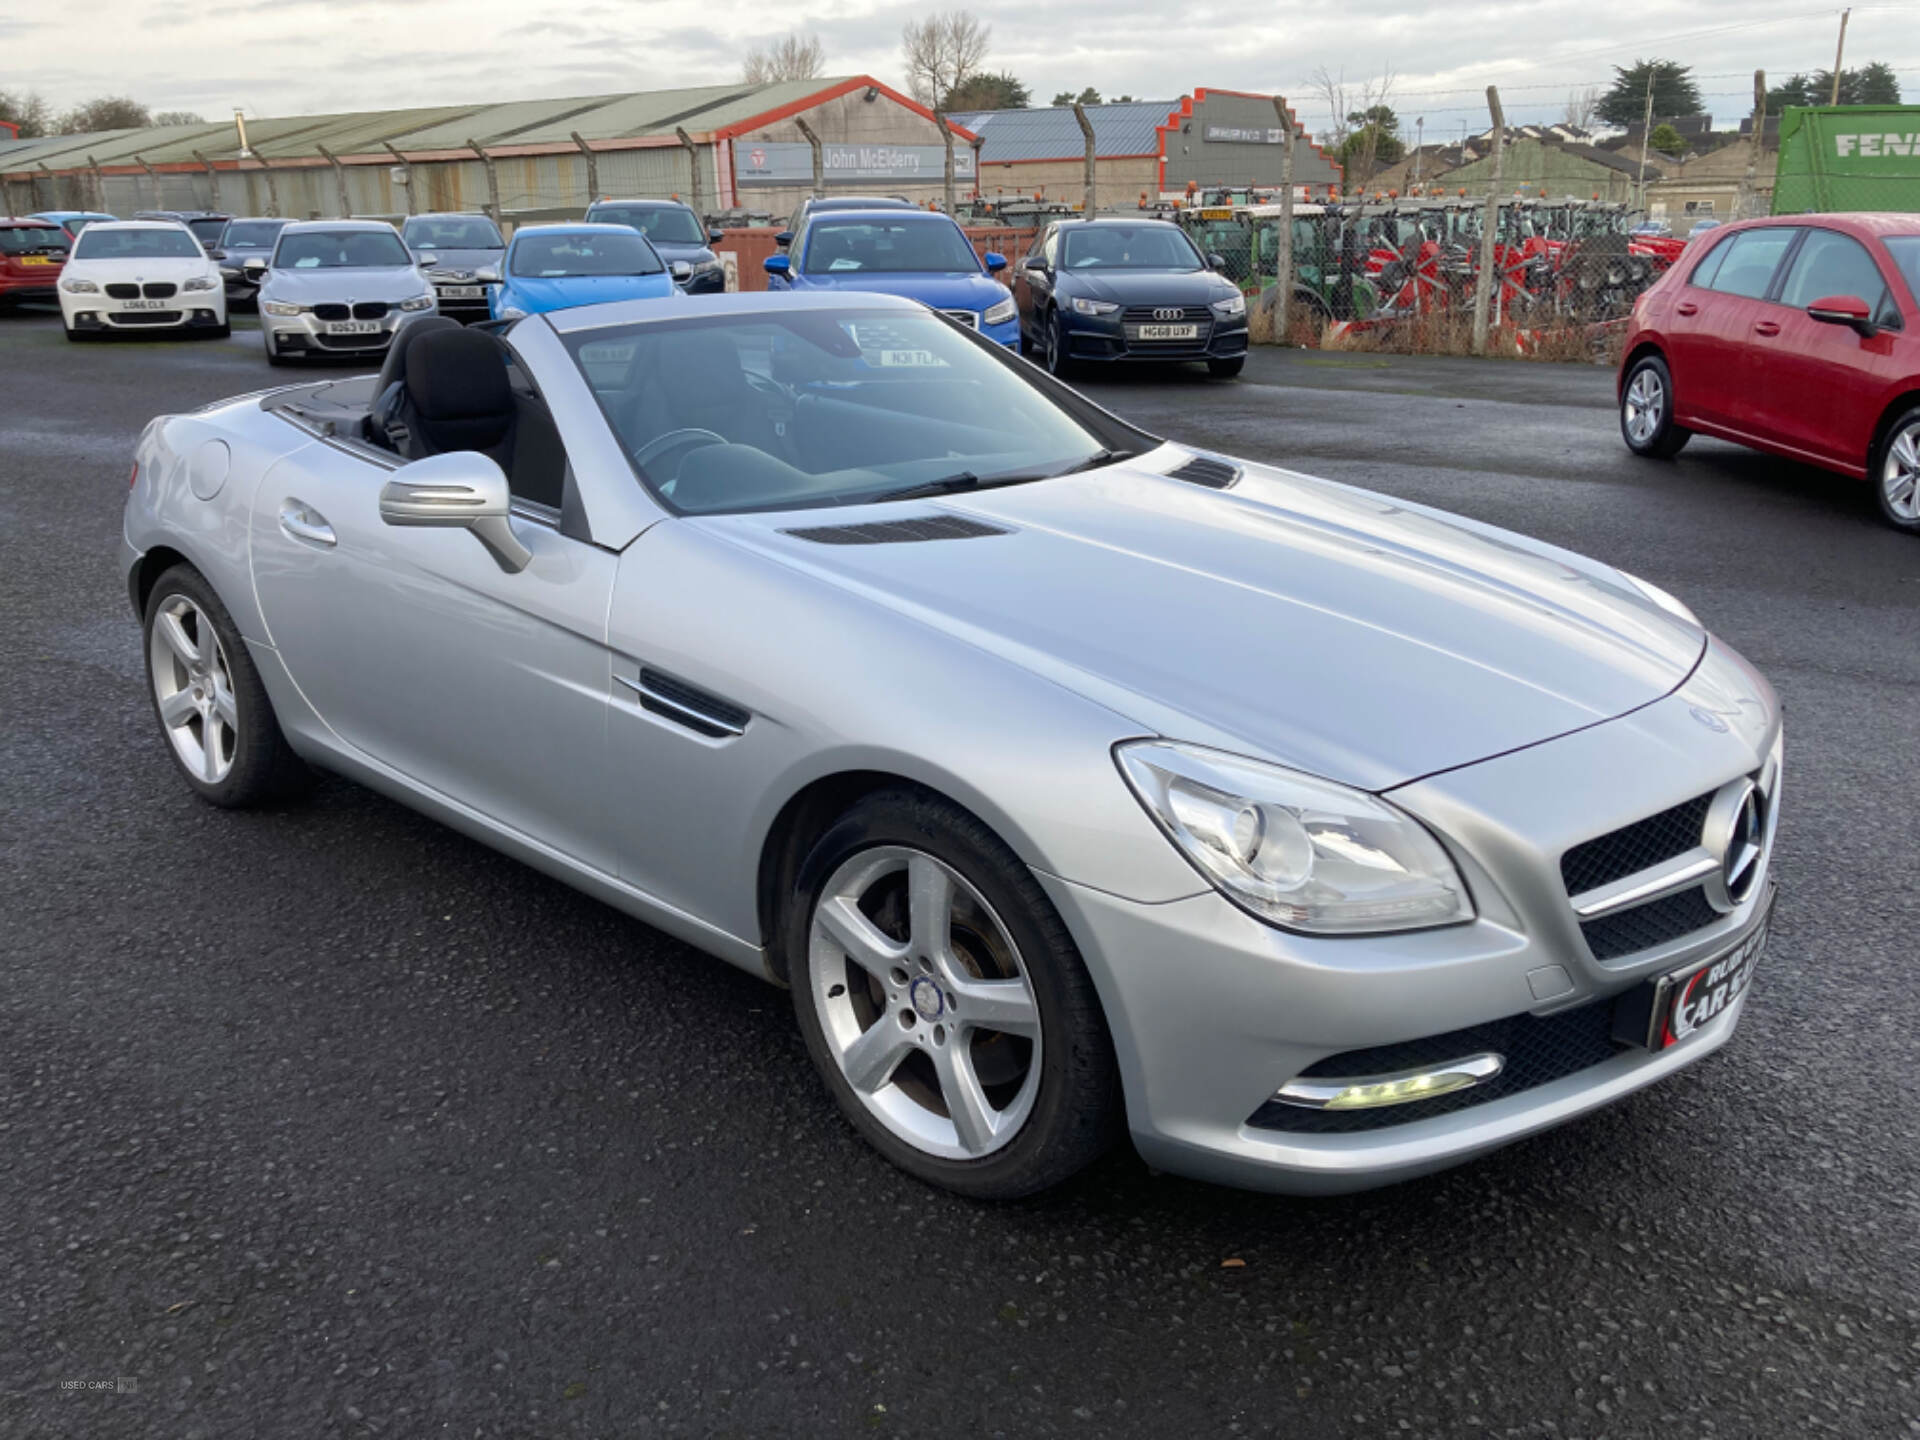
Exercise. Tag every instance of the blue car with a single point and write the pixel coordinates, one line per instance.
(72, 221)
(918, 254)
(555, 267)
(676, 233)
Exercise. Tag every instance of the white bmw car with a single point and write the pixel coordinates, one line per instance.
(140, 275)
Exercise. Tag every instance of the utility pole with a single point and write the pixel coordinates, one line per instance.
(1483, 289)
(1419, 140)
(1839, 54)
(1646, 135)
(1745, 200)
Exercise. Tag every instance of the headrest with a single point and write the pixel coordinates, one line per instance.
(395, 367)
(701, 367)
(457, 374)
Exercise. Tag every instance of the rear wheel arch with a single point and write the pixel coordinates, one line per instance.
(147, 571)
(1639, 353)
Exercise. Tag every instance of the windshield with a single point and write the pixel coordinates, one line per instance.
(19, 239)
(1129, 247)
(610, 252)
(98, 244)
(252, 234)
(339, 250)
(811, 408)
(465, 233)
(889, 247)
(669, 224)
(207, 231)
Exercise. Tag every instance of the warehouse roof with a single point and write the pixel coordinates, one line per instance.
(1054, 134)
(702, 111)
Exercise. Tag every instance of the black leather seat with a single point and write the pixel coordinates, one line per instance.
(457, 396)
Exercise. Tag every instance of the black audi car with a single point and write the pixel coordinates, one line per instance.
(1114, 289)
(462, 255)
(240, 240)
(206, 225)
(676, 233)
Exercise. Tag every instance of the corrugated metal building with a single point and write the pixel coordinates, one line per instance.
(716, 146)
(1142, 147)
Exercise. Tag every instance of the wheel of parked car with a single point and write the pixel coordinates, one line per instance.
(1053, 346)
(945, 1003)
(78, 337)
(1646, 411)
(1226, 369)
(208, 697)
(1896, 473)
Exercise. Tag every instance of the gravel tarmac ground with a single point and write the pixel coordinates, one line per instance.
(331, 1122)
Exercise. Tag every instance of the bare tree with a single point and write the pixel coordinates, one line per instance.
(1362, 119)
(941, 52)
(792, 57)
(1582, 106)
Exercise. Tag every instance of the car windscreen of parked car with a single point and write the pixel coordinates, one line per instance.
(252, 234)
(466, 233)
(22, 239)
(339, 249)
(208, 230)
(1905, 250)
(931, 246)
(666, 223)
(1129, 247)
(553, 257)
(1830, 263)
(807, 409)
(97, 244)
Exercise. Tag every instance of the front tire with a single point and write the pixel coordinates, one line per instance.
(1646, 411)
(1896, 473)
(1226, 369)
(944, 1002)
(1053, 347)
(207, 696)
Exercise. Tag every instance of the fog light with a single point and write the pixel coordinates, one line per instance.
(1402, 1087)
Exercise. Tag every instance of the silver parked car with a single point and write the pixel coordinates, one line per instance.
(336, 287)
(1073, 780)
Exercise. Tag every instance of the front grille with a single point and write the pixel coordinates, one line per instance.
(1537, 1051)
(160, 289)
(148, 317)
(370, 310)
(968, 318)
(1644, 926)
(1134, 316)
(1632, 848)
(121, 291)
(331, 311)
(895, 532)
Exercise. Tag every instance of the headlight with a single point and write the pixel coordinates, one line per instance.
(512, 312)
(706, 267)
(1232, 306)
(1293, 850)
(1001, 313)
(279, 307)
(1666, 602)
(80, 287)
(418, 302)
(1093, 307)
(200, 282)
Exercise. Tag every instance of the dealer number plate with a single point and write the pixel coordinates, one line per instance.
(1169, 332)
(460, 292)
(1672, 1007)
(353, 327)
(143, 304)
(38, 260)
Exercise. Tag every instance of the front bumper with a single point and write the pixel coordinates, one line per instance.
(307, 334)
(706, 282)
(184, 310)
(1113, 338)
(1212, 1011)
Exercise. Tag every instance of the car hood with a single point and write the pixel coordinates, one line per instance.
(1146, 287)
(349, 283)
(172, 267)
(535, 295)
(1328, 629)
(451, 259)
(955, 292)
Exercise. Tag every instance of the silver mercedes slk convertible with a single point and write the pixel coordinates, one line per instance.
(1075, 782)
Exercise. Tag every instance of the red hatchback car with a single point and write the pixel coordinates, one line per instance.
(32, 253)
(1797, 335)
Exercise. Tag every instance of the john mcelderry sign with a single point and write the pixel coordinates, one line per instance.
(1241, 135)
(791, 163)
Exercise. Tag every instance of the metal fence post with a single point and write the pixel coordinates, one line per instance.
(339, 180)
(213, 177)
(819, 156)
(693, 172)
(159, 200)
(1092, 201)
(593, 168)
(946, 134)
(1283, 260)
(493, 182)
(99, 184)
(408, 187)
(273, 186)
(1483, 285)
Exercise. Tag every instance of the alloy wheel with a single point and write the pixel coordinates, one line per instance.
(193, 689)
(1900, 475)
(1646, 404)
(925, 1002)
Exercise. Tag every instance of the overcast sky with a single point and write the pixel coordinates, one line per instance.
(290, 57)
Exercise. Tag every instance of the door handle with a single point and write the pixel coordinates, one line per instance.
(304, 523)
(1766, 327)
(1687, 307)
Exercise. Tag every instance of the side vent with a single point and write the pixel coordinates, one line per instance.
(898, 532)
(1207, 471)
(661, 694)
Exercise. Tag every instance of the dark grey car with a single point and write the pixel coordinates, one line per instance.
(241, 240)
(461, 255)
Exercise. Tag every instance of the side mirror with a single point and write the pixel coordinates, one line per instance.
(783, 239)
(216, 254)
(462, 490)
(1037, 264)
(427, 262)
(488, 276)
(779, 265)
(1216, 262)
(995, 262)
(254, 270)
(681, 270)
(1848, 310)
(714, 237)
